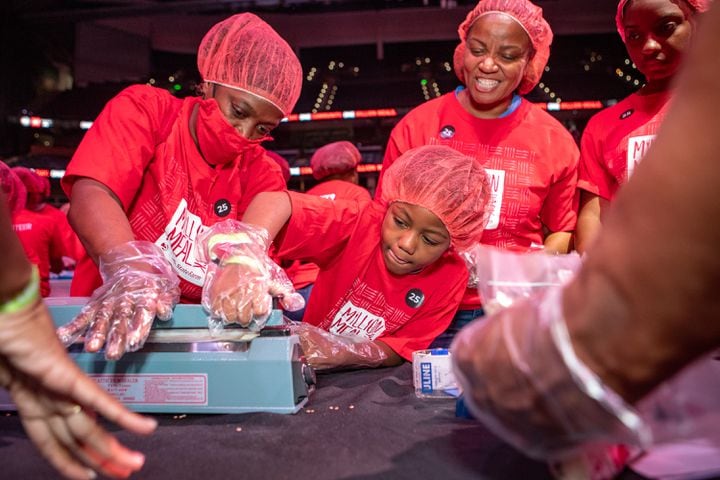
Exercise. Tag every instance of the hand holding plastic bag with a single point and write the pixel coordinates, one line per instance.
(138, 285)
(324, 350)
(518, 369)
(241, 278)
(521, 376)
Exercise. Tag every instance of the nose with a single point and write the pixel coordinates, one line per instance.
(487, 64)
(245, 129)
(408, 242)
(650, 46)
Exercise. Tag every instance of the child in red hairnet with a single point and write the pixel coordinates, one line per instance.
(154, 171)
(390, 275)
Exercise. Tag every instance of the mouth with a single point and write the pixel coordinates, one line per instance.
(486, 84)
(395, 259)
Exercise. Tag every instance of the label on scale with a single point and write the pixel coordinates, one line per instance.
(156, 389)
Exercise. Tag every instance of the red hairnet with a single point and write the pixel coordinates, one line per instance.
(698, 6)
(336, 157)
(284, 165)
(451, 185)
(245, 53)
(13, 188)
(530, 17)
(33, 182)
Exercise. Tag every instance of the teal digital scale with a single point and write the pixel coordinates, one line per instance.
(183, 369)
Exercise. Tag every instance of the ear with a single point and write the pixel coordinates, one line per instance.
(204, 90)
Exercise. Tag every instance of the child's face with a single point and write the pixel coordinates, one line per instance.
(412, 238)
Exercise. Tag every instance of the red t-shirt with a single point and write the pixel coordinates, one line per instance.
(531, 160)
(140, 147)
(303, 274)
(71, 244)
(616, 139)
(354, 294)
(42, 240)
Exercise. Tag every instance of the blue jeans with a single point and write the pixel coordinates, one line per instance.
(298, 315)
(461, 318)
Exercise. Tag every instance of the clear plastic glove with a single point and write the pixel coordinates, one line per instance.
(139, 284)
(324, 350)
(242, 279)
(521, 377)
(56, 402)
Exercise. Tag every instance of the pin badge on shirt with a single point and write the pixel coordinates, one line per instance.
(414, 298)
(626, 114)
(447, 132)
(222, 208)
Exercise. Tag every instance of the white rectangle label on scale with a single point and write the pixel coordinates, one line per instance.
(156, 389)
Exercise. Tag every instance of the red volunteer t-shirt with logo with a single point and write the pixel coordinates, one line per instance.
(616, 139)
(42, 239)
(354, 294)
(140, 147)
(303, 274)
(531, 160)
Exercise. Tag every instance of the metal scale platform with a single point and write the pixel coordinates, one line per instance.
(182, 369)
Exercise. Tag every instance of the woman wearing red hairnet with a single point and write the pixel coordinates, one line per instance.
(390, 277)
(55, 400)
(656, 34)
(335, 166)
(530, 157)
(154, 171)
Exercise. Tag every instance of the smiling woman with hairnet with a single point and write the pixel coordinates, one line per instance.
(154, 171)
(530, 157)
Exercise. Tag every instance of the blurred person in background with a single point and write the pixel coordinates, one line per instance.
(656, 34)
(390, 276)
(530, 157)
(56, 402)
(42, 228)
(334, 166)
(154, 171)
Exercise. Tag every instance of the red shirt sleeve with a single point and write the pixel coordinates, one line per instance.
(559, 211)
(592, 177)
(120, 144)
(316, 217)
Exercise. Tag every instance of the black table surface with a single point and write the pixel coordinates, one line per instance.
(364, 424)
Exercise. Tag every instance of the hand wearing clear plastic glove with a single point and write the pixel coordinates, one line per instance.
(138, 285)
(242, 279)
(56, 402)
(521, 377)
(324, 350)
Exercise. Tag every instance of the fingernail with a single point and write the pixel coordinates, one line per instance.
(91, 474)
(138, 459)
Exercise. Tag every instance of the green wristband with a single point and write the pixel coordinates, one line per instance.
(26, 297)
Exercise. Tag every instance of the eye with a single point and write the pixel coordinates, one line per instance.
(430, 241)
(263, 130)
(509, 58)
(478, 51)
(632, 36)
(400, 223)
(667, 28)
(239, 112)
